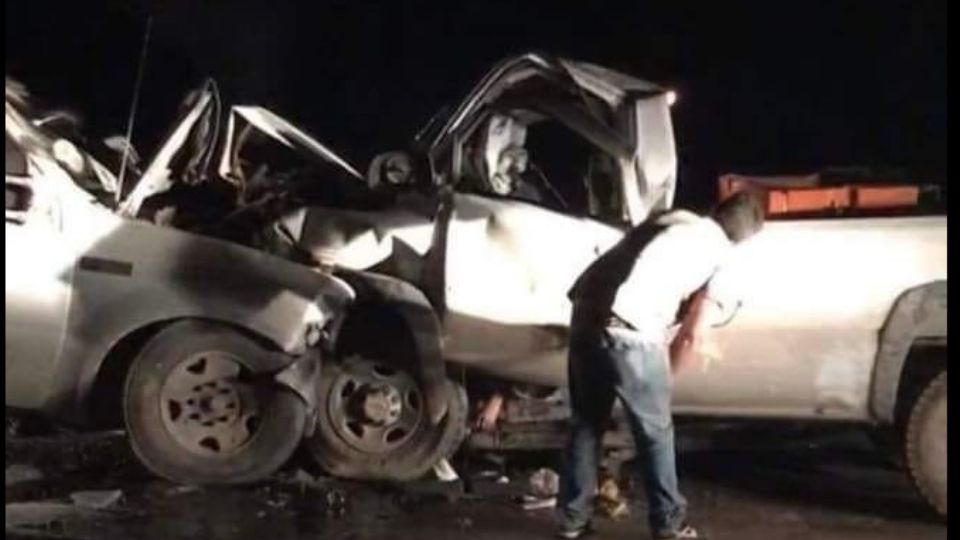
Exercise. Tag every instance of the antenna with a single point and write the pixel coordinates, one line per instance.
(133, 107)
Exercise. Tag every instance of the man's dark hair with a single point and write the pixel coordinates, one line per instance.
(739, 215)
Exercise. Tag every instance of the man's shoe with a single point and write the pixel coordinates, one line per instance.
(682, 532)
(570, 532)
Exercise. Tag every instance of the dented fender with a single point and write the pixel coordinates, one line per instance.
(421, 318)
(301, 377)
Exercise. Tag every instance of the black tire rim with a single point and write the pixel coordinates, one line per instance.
(206, 407)
(374, 407)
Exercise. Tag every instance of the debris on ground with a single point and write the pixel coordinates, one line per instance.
(610, 501)
(532, 502)
(335, 503)
(543, 487)
(63, 453)
(180, 490)
(40, 513)
(278, 500)
(96, 499)
(544, 483)
(301, 476)
(445, 472)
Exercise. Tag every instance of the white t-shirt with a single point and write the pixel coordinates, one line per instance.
(673, 265)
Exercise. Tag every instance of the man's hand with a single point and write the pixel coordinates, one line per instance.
(683, 349)
(489, 413)
(689, 346)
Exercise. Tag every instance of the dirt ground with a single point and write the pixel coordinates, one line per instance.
(743, 485)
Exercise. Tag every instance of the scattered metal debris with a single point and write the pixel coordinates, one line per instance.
(544, 483)
(445, 472)
(96, 500)
(40, 513)
(543, 487)
(180, 490)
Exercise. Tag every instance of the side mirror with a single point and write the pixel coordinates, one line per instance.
(390, 168)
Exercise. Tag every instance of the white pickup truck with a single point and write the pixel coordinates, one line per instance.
(833, 319)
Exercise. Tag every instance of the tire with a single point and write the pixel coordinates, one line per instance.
(926, 443)
(367, 452)
(197, 412)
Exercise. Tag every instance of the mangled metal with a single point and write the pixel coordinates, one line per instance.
(91, 294)
(473, 242)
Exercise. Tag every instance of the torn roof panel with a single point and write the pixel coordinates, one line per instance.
(609, 85)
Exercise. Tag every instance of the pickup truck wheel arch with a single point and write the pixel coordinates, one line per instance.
(918, 313)
(389, 296)
(101, 329)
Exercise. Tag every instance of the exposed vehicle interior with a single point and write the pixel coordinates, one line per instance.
(545, 158)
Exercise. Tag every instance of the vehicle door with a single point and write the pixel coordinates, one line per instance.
(509, 264)
(38, 276)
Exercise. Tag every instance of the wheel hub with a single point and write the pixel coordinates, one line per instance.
(217, 401)
(381, 405)
(206, 408)
(373, 407)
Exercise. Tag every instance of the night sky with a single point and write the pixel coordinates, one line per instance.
(764, 87)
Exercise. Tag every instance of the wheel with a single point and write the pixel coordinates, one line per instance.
(373, 424)
(196, 413)
(926, 443)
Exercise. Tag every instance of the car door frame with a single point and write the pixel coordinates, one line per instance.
(554, 336)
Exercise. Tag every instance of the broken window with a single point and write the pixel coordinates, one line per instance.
(530, 157)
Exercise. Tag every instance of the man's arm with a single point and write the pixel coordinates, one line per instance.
(686, 347)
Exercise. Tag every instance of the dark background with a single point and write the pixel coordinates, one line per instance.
(765, 87)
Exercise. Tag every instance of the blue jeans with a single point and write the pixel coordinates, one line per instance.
(618, 362)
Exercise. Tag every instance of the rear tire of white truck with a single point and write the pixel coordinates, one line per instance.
(925, 439)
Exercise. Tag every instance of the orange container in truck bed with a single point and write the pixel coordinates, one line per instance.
(804, 194)
(791, 201)
(886, 196)
(732, 183)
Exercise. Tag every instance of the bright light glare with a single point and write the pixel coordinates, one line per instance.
(671, 97)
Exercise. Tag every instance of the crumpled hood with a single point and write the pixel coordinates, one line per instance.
(199, 132)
